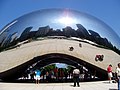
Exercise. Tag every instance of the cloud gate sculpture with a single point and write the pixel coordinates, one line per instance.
(50, 35)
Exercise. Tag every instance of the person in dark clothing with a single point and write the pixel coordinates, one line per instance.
(47, 77)
(76, 73)
(66, 74)
(32, 74)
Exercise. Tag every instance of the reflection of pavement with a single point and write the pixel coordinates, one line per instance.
(100, 85)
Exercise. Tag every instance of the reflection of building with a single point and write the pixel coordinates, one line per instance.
(68, 31)
(6, 41)
(105, 42)
(13, 37)
(94, 34)
(32, 34)
(52, 51)
(58, 32)
(82, 32)
(42, 31)
(95, 37)
(48, 24)
(25, 34)
(2, 37)
(24, 47)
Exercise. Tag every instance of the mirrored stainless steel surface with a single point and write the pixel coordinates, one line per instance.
(58, 22)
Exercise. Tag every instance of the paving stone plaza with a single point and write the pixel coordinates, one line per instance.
(98, 85)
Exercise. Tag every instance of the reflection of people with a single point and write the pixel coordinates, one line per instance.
(76, 73)
(99, 57)
(37, 77)
(71, 48)
(80, 45)
(109, 70)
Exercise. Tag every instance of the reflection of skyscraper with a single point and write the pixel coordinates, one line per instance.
(32, 34)
(105, 42)
(95, 37)
(13, 37)
(42, 31)
(68, 31)
(94, 34)
(42, 18)
(2, 37)
(25, 34)
(59, 32)
(7, 40)
(82, 32)
(4, 34)
(6, 28)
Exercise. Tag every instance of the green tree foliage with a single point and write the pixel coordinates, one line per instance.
(50, 67)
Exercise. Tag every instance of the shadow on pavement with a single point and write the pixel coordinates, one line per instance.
(113, 89)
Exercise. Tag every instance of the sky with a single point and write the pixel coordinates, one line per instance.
(106, 10)
(61, 65)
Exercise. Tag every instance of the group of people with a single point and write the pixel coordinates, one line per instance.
(117, 74)
(99, 57)
(75, 73)
(57, 74)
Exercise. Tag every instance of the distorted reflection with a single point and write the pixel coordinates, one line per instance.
(58, 22)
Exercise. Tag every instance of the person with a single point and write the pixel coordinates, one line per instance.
(43, 72)
(66, 74)
(56, 73)
(32, 75)
(37, 76)
(47, 77)
(118, 75)
(109, 70)
(76, 73)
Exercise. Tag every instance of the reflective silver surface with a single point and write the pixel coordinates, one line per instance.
(58, 22)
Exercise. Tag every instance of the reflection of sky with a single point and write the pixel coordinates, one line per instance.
(58, 19)
(61, 65)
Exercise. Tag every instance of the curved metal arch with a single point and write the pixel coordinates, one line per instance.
(16, 72)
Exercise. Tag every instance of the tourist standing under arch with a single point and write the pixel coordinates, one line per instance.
(76, 73)
(37, 76)
(109, 70)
